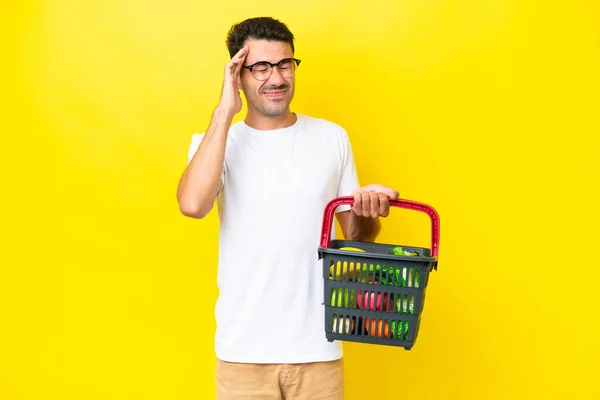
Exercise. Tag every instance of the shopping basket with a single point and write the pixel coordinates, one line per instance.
(374, 293)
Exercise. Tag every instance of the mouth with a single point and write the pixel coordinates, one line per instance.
(274, 94)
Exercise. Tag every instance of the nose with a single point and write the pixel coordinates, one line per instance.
(276, 79)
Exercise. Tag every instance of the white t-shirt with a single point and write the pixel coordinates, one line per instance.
(276, 185)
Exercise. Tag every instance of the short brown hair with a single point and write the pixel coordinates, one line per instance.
(257, 28)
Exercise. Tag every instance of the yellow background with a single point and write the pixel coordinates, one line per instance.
(486, 110)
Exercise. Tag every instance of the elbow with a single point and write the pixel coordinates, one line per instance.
(192, 212)
(194, 203)
(193, 209)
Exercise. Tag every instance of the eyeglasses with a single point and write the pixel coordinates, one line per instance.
(262, 70)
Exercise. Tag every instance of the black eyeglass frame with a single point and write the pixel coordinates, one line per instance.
(249, 67)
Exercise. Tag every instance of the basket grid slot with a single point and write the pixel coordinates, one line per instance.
(389, 275)
(381, 328)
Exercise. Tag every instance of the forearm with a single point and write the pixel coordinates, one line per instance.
(363, 229)
(201, 180)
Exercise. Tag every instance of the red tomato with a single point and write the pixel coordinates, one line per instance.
(366, 301)
(379, 306)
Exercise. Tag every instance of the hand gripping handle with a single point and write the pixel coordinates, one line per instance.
(400, 203)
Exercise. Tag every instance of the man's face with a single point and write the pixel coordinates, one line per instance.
(272, 96)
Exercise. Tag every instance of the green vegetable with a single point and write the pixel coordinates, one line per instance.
(336, 297)
(403, 306)
(397, 278)
(366, 274)
(398, 251)
(397, 331)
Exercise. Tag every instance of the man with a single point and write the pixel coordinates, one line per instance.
(271, 176)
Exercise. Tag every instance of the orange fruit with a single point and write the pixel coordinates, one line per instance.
(379, 328)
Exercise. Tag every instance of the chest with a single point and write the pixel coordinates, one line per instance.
(299, 167)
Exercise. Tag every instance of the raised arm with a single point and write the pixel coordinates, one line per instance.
(201, 182)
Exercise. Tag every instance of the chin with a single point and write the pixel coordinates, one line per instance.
(275, 111)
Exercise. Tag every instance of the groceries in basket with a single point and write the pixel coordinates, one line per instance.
(343, 268)
(373, 300)
(374, 292)
(342, 299)
(374, 327)
(370, 273)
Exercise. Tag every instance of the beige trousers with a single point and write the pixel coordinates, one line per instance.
(310, 381)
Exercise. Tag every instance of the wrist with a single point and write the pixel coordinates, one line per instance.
(363, 229)
(223, 113)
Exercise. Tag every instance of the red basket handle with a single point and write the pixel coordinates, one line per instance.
(401, 203)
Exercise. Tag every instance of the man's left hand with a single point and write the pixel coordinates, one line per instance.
(373, 201)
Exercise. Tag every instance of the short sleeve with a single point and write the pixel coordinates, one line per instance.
(348, 177)
(196, 140)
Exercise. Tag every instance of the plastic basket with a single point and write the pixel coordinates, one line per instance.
(375, 296)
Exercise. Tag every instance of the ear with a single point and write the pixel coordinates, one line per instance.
(239, 83)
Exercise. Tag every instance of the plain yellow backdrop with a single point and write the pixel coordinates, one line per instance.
(487, 110)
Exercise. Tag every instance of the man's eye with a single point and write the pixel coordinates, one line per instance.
(261, 68)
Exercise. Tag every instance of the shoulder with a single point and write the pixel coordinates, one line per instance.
(329, 130)
(332, 132)
(322, 124)
(197, 138)
(234, 129)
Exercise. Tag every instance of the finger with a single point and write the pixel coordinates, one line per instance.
(357, 206)
(230, 68)
(373, 204)
(384, 205)
(237, 67)
(233, 68)
(366, 204)
(391, 193)
(235, 63)
(238, 59)
(241, 53)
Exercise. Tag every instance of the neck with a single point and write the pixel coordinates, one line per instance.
(261, 122)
